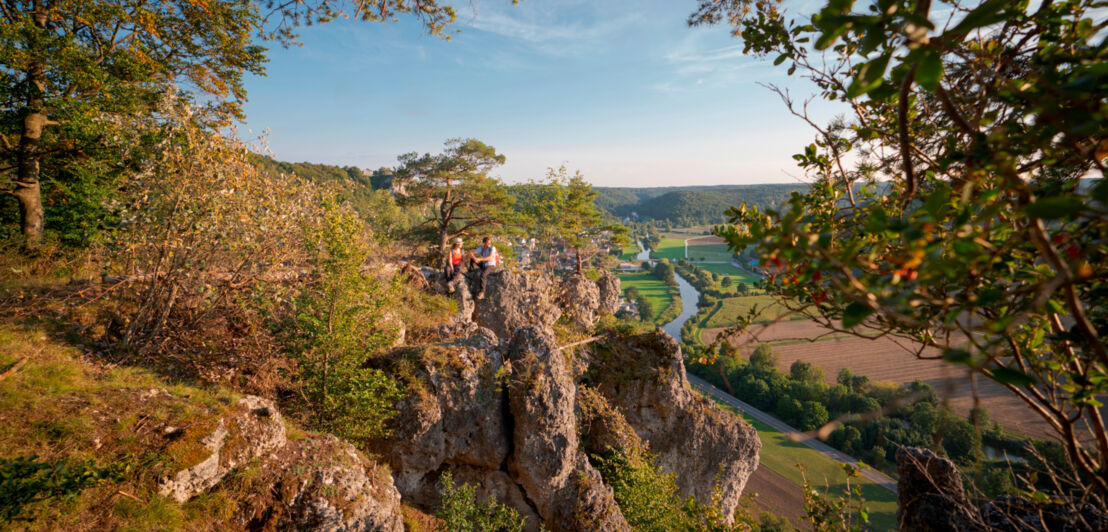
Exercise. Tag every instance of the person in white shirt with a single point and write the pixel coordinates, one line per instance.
(488, 259)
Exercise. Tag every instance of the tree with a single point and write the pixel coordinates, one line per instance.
(726, 282)
(987, 242)
(742, 288)
(763, 358)
(455, 188)
(564, 208)
(71, 70)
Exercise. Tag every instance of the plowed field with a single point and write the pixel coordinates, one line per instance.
(884, 359)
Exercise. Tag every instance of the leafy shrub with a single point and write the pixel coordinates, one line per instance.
(461, 512)
(336, 325)
(26, 480)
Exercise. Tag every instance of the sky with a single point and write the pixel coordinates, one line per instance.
(623, 91)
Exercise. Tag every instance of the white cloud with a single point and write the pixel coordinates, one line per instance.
(570, 29)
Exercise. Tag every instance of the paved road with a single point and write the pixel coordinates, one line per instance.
(872, 474)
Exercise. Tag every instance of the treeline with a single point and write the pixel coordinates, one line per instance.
(690, 206)
(878, 417)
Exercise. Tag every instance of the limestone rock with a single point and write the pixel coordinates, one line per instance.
(498, 485)
(251, 428)
(704, 446)
(321, 483)
(609, 292)
(459, 290)
(930, 496)
(516, 300)
(454, 414)
(546, 461)
(579, 299)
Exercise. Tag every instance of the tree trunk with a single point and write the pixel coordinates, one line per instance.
(27, 189)
(577, 251)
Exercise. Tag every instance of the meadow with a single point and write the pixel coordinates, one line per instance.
(650, 287)
(781, 456)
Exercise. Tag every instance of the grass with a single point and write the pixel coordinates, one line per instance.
(736, 274)
(670, 248)
(629, 251)
(650, 287)
(733, 307)
(674, 249)
(781, 456)
(709, 252)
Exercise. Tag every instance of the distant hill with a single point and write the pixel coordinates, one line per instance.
(692, 205)
(346, 176)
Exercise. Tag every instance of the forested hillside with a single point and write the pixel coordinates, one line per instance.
(690, 205)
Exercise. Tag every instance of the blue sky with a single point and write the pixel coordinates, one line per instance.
(630, 96)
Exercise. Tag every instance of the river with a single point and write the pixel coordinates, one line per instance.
(689, 297)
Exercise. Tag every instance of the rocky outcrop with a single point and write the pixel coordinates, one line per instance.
(251, 428)
(609, 292)
(547, 461)
(516, 300)
(705, 447)
(453, 414)
(931, 497)
(321, 483)
(459, 290)
(930, 493)
(579, 299)
(311, 482)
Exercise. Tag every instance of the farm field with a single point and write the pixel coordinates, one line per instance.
(650, 287)
(783, 483)
(629, 251)
(701, 248)
(739, 306)
(736, 274)
(884, 359)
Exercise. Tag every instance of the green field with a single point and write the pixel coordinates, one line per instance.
(629, 251)
(736, 274)
(670, 248)
(650, 287)
(781, 456)
(709, 252)
(768, 308)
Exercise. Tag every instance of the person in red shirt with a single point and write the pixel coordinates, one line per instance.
(454, 264)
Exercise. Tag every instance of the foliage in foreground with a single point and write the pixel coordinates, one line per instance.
(990, 243)
(336, 325)
(461, 511)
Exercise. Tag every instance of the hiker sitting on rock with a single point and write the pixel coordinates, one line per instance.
(454, 264)
(487, 258)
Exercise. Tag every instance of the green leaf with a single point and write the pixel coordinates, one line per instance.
(957, 356)
(854, 314)
(869, 77)
(780, 59)
(983, 15)
(1011, 376)
(1054, 208)
(930, 70)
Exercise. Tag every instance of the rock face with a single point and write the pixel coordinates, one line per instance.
(251, 428)
(314, 482)
(704, 446)
(931, 498)
(567, 491)
(930, 493)
(516, 300)
(609, 292)
(579, 299)
(454, 417)
(322, 483)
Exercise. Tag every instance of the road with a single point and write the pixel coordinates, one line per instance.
(872, 474)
